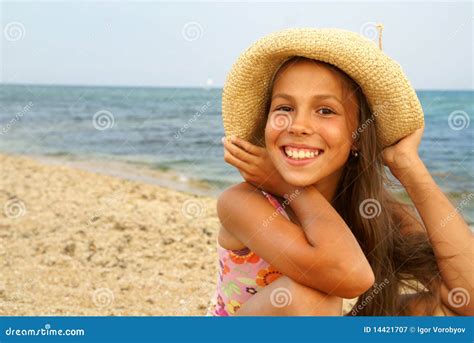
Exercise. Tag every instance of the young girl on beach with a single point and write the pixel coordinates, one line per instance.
(315, 222)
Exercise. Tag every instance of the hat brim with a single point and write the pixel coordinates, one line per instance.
(393, 101)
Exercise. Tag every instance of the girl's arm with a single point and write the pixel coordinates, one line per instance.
(329, 260)
(452, 241)
(285, 297)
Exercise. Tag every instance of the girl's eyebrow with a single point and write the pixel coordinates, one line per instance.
(317, 96)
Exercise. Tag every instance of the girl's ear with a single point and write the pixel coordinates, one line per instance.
(354, 151)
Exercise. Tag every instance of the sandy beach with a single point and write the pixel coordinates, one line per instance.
(77, 243)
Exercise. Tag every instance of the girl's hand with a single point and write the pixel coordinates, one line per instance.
(401, 156)
(255, 166)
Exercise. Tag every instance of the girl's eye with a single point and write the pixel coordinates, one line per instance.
(284, 108)
(325, 111)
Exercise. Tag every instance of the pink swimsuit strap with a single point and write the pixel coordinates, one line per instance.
(276, 204)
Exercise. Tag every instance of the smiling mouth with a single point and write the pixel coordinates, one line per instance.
(300, 154)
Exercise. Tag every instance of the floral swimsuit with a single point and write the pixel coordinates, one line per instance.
(242, 273)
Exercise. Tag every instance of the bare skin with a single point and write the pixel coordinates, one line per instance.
(447, 230)
(291, 247)
(305, 301)
(293, 251)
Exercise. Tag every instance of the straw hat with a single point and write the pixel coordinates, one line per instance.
(392, 100)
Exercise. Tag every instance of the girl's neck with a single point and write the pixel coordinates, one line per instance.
(328, 186)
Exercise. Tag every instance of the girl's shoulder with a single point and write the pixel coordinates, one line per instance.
(237, 201)
(245, 198)
(243, 191)
(244, 206)
(245, 187)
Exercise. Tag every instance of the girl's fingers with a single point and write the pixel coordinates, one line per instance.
(238, 152)
(247, 146)
(231, 159)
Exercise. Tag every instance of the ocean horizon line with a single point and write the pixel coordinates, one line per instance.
(213, 87)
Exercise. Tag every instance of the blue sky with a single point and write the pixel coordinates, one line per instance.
(145, 43)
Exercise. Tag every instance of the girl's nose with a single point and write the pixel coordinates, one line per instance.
(301, 124)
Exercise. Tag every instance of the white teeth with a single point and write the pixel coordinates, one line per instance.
(300, 154)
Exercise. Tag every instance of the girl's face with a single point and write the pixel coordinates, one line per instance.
(311, 118)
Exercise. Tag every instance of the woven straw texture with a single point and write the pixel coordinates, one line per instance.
(396, 109)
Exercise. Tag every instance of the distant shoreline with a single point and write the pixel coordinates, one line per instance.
(213, 87)
(134, 172)
(170, 179)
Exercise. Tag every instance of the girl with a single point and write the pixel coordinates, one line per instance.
(323, 243)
